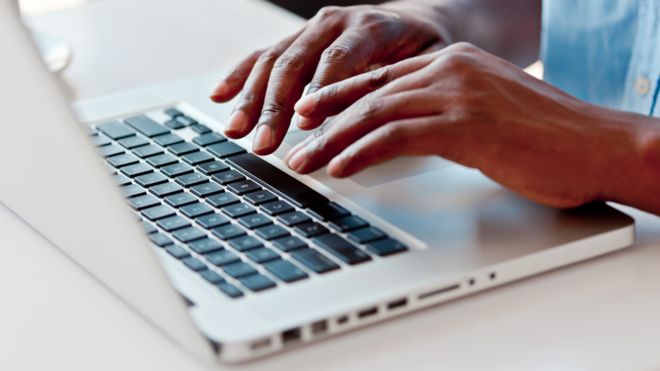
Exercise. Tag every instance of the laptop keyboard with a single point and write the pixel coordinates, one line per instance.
(239, 222)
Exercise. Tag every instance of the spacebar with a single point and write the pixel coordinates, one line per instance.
(277, 180)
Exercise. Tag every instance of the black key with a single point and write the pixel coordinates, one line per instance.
(225, 149)
(208, 139)
(271, 232)
(151, 179)
(180, 149)
(276, 207)
(254, 221)
(116, 130)
(132, 171)
(294, 218)
(177, 251)
(147, 151)
(328, 211)
(230, 290)
(192, 179)
(342, 249)
(177, 169)
(314, 260)
(121, 180)
(211, 168)
(189, 234)
(123, 160)
(160, 239)
(147, 126)
(211, 276)
(197, 158)
(227, 177)
(244, 243)
(133, 142)
(257, 282)
(167, 139)
(285, 270)
(238, 270)
(180, 199)
(185, 120)
(174, 124)
(206, 189)
(173, 223)
(289, 243)
(238, 210)
(133, 190)
(310, 229)
(348, 223)
(222, 200)
(279, 181)
(211, 221)
(197, 209)
(173, 112)
(142, 202)
(222, 257)
(365, 235)
(386, 247)
(194, 264)
(110, 150)
(262, 255)
(149, 228)
(205, 246)
(243, 187)
(260, 197)
(101, 140)
(166, 189)
(158, 212)
(162, 160)
(200, 129)
(229, 231)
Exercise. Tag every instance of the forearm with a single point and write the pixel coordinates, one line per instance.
(510, 29)
(625, 151)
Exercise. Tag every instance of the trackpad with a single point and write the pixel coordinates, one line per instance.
(397, 169)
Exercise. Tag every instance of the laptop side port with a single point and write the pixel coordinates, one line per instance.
(439, 291)
(367, 312)
(319, 327)
(397, 304)
(291, 335)
(261, 344)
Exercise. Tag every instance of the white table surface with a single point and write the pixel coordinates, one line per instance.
(600, 315)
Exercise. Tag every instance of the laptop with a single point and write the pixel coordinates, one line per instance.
(234, 256)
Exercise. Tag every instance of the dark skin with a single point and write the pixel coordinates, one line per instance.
(469, 104)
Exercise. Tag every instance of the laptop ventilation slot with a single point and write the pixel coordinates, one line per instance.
(440, 291)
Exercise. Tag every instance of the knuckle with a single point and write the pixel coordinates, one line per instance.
(377, 78)
(329, 12)
(273, 108)
(336, 54)
(457, 63)
(248, 98)
(394, 135)
(462, 47)
(290, 61)
(268, 57)
(369, 108)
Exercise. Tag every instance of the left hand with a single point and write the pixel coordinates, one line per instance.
(473, 108)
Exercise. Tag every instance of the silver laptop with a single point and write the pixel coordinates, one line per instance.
(233, 255)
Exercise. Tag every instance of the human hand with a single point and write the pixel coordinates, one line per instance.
(473, 108)
(336, 44)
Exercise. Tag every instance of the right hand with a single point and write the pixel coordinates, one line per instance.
(336, 44)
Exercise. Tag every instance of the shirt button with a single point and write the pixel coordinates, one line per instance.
(642, 86)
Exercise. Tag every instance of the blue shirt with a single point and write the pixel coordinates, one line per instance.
(606, 52)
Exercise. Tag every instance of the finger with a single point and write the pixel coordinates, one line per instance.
(409, 137)
(292, 152)
(249, 103)
(354, 123)
(232, 84)
(290, 73)
(335, 98)
(345, 57)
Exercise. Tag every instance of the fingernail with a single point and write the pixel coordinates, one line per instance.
(296, 162)
(237, 124)
(219, 92)
(306, 104)
(263, 139)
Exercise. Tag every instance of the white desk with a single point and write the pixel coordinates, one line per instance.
(600, 315)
